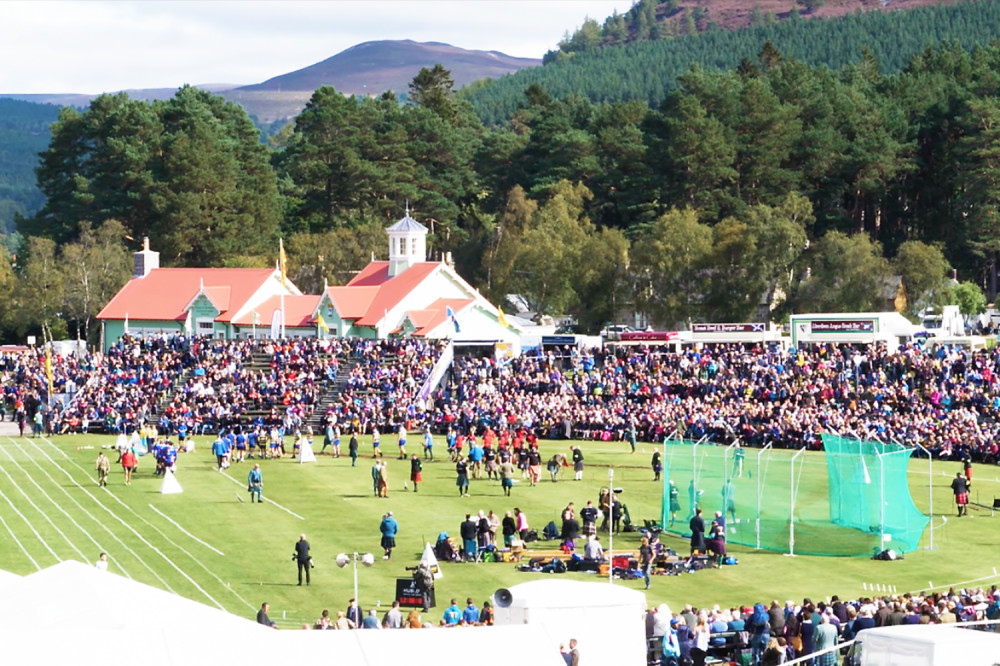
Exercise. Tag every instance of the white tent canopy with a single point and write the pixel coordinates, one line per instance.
(607, 620)
(74, 613)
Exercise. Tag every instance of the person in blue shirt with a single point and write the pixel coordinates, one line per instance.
(388, 527)
(241, 446)
(471, 614)
(170, 457)
(428, 444)
(255, 484)
(221, 449)
(453, 614)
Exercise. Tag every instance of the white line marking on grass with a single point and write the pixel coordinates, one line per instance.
(54, 503)
(20, 545)
(26, 521)
(109, 512)
(124, 524)
(174, 523)
(240, 483)
(80, 506)
(168, 539)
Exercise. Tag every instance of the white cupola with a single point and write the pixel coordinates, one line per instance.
(407, 244)
(145, 260)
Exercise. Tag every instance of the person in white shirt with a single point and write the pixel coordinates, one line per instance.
(102, 562)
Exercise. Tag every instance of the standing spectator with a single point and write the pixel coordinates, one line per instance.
(826, 637)
(354, 613)
(302, 557)
(255, 484)
(415, 469)
(393, 618)
(352, 448)
(588, 515)
(509, 528)
(103, 467)
(388, 527)
(645, 560)
(697, 526)
(699, 649)
(371, 620)
(376, 475)
(506, 476)
(657, 464)
(467, 530)
(376, 441)
(129, 464)
(462, 480)
(759, 627)
(423, 578)
(401, 441)
(960, 486)
(383, 480)
(522, 523)
(577, 463)
(428, 444)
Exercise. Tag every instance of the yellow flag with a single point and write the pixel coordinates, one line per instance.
(322, 323)
(502, 319)
(48, 369)
(282, 261)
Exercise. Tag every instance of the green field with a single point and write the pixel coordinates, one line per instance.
(208, 546)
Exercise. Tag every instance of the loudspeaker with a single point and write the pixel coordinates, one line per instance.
(503, 597)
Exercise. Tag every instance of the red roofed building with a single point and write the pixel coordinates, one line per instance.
(409, 296)
(405, 296)
(196, 301)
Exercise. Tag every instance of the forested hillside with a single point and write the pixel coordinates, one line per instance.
(648, 70)
(24, 133)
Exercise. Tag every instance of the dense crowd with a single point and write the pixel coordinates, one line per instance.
(946, 399)
(778, 632)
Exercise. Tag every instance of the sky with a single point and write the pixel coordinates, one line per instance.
(98, 46)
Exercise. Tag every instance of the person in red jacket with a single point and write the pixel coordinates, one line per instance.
(129, 464)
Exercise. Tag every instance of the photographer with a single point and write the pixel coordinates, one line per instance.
(424, 580)
(302, 558)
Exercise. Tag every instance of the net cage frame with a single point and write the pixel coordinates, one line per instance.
(850, 499)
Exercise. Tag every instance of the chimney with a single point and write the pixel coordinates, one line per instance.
(145, 260)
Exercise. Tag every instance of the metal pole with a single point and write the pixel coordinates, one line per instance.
(759, 454)
(611, 525)
(791, 503)
(356, 600)
(881, 528)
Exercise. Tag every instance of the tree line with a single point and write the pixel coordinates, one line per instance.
(598, 64)
(809, 184)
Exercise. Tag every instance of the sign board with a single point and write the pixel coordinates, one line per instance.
(409, 595)
(843, 326)
(648, 336)
(728, 328)
(548, 340)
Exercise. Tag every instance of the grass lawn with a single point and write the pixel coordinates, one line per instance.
(207, 545)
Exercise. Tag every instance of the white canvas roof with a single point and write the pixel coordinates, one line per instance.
(74, 613)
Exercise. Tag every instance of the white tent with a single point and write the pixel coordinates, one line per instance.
(306, 454)
(73, 613)
(431, 560)
(607, 620)
(170, 486)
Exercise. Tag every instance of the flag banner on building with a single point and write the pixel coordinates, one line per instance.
(322, 323)
(283, 262)
(451, 315)
(502, 319)
(276, 325)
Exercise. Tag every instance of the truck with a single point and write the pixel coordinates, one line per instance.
(925, 645)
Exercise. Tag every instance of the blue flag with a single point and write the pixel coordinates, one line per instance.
(451, 315)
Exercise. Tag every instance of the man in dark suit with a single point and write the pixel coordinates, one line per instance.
(262, 617)
(302, 557)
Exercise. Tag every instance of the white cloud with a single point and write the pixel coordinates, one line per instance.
(90, 47)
